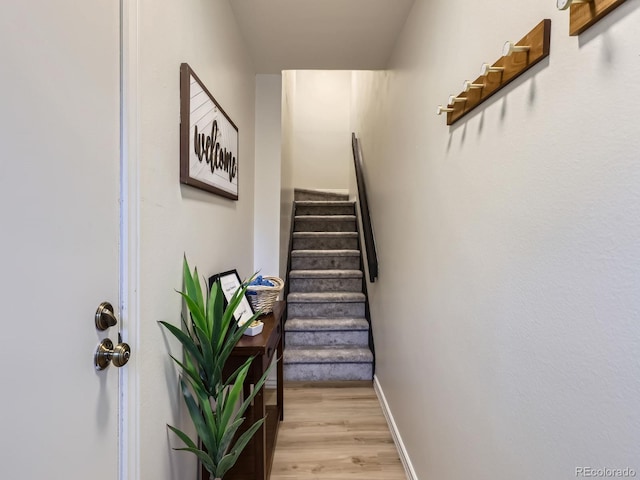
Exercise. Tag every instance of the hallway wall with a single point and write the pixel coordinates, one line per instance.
(268, 174)
(215, 233)
(286, 168)
(320, 106)
(316, 138)
(506, 311)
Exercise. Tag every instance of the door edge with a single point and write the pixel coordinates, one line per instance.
(129, 414)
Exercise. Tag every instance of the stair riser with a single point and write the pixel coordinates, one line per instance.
(359, 338)
(325, 284)
(325, 263)
(325, 210)
(326, 310)
(304, 225)
(319, 196)
(325, 243)
(327, 372)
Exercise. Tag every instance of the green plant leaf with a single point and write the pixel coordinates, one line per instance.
(218, 311)
(201, 393)
(231, 378)
(210, 418)
(183, 436)
(230, 459)
(221, 401)
(196, 416)
(207, 352)
(211, 322)
(190, 371)
(198, 296)
(256, 389)
(186, 341)
(217, 373)
(223, 445)
(232, 398)
(203, 456)
(189, 283)
(228, 317)
(233, 339)
(196, 364)
(197, 314)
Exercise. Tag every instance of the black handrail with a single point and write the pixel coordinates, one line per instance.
(367, 230)
(285, 294)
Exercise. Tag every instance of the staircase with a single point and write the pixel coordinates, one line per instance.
(326, 330)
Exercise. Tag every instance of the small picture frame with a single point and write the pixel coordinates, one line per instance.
(230, 282)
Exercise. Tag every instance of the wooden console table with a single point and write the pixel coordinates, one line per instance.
(256, 459)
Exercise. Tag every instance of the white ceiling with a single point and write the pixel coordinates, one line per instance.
(320, 34)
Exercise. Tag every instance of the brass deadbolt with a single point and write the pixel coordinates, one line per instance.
(105, 317)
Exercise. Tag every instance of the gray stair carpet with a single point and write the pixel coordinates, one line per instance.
(325, 259)
(323, 363)
(325, 223)
(326, 332)
(325, 281)
(324, 208)
(325, 240)
(302, 194)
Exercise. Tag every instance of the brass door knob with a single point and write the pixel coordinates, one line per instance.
(106, 354)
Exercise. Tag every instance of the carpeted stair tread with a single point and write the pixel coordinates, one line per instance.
(332, 218)
(325, 234)
(325, 274)
(325, 240)
(324, 203)
(325, 253)
(327, 354)
(330, 278)
(325, 223)
(318, 208)
(325, 324)
(326, 297)
(325, 259)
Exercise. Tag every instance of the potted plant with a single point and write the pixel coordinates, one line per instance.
(213, 400)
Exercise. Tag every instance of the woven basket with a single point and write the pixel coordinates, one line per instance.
(265, 297)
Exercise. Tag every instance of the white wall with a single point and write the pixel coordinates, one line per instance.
(268, 173)
(320, 132)
(506, 312)
(287, 182)
(215, 233)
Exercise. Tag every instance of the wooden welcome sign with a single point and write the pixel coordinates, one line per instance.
(208, 139)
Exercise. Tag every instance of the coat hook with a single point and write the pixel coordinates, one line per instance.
(453, 100)
(468, 85)
(510, 47)
(564, 4)
(440, 110)
(486, 69)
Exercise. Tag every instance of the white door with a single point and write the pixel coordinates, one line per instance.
(59, 248)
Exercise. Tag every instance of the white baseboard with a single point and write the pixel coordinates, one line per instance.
(397, 439)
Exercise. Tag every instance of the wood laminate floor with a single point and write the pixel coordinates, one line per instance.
(333, 433)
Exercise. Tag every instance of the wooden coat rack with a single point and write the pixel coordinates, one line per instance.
(504, 71)
(584, 15)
